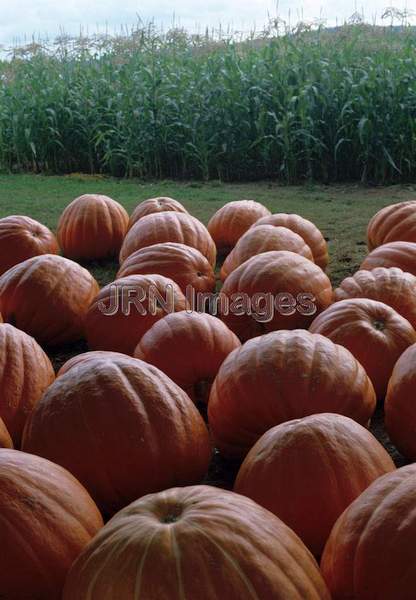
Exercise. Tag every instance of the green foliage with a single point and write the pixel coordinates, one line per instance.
(323, 106)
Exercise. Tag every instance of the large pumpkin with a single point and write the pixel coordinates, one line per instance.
(389, 285)
(189, 348)
(46, 520)
(87, 356)
(273, 290)
(91, 227)
(372, 331)
(400, 409)
(169, 227)
(309, 470)
(5, 439)
(394, 254)
(25, 373)
(393, 223)
(232, 220)
(263, 239)
(155, 205)
(184, 264)
(48, 297)
(122, 427)
(282, 376)
(195, 542)
(22, 238)
(306, 229)
(125, 309)
(371, 550)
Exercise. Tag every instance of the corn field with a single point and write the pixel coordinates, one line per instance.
(323, 106)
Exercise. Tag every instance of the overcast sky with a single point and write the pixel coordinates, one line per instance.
(20, 19)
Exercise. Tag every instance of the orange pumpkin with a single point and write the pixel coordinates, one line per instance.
(391, 286)
(25, 373)
(22, 238)
(122, 427)
(86, 356)
(282, 376)
(195, 542)
(5, 439)
(48, 297)
(372, 331)
(124, 310)
(46, 520)
(370, 552)
(204, 342)
(91, 227)
(306, 229)
(155, 205)
(232, 220)
(184, 264)
(263, 239)
(393, 223)
(394, 254)
(273, 290)
(169, 227)
(400, 410)
(322, 462)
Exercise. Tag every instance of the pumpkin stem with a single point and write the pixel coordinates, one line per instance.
(173, 515)
(379, 325)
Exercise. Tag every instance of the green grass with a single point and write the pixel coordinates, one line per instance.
(328, 106)
(341, 212)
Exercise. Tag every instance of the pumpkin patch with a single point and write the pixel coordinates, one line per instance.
(220, 354)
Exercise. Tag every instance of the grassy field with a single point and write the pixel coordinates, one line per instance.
(341, 212)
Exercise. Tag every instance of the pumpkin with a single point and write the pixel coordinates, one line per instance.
(48, 297)
(46, 520)
(92, 227)
(122, 427)
(282, 376)
(232, 220)
(22, 238)
(184, 264)
(394, 254)
(204, 342)
(155, 205)
(125, 309)
(306, 229)
(263, 239)
(195, 542)
(322, 462)
(370, 552)
(391, 286)
(273, 290)
(399, 407)
(372, 331)
(87, 356)
(169, 227)
(393, 223)
(25, 373)
(5, 439)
